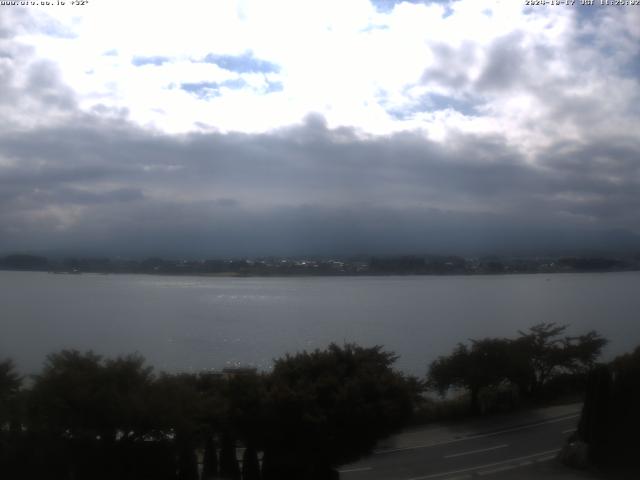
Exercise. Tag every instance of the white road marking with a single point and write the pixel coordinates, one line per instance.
(496, 470)
(361, 469)
(571, 430)
(473, 437)
(512, 467)
(476, 451)
(493, 471)
(488, 465)
(545, 459)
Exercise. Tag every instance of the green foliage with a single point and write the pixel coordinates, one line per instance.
(95, 418)
(549, 354)
(90, 418)
(538, 357)
(174, 402)
(85, 397)
(484, 364)
(243, 414)
(332, 406)
(67, 395)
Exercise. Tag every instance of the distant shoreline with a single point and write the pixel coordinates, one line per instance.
(354, 266)
(320, 275)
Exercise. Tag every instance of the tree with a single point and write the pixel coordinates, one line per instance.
(210, 417)
(243, 414)
(610, 418)
(595, 418)
(210, 459)
(250, 464)
(229, 468)
(176, 405)
(548, 354)
(85, 396)
(529, 361)
(621, 443)
(243, 418)
(484, 364)
(66, 395)
(331, 406)
(97, 413)
(10, 383)
(10, 419)
(126, 384)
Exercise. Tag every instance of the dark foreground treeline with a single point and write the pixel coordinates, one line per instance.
(85, 417)
(539, 365)
(608, 434)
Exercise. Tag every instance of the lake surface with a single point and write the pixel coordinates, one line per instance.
(194, 323)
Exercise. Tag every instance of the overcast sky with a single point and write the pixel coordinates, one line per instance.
(216, 128)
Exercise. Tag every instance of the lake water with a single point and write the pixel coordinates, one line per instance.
(194, 323)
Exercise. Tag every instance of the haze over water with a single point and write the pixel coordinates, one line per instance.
(195, 323)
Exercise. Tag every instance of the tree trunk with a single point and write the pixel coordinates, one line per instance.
(475, 400)
(187, 462)
(210, 460)
(229, 468)
(250, 464)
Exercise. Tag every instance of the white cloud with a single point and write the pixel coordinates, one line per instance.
(347, 61)
(421, 88)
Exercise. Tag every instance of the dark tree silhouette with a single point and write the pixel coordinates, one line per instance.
(210, 419)
(529, 362)
(68, 396)
(548, 354)
(610, 419)
(484, 364)
(187, 461)
(625, 412)
(331, 406)
(94, 418)
(175, 404)
(209, 460)
(594, 421)
(250, 464)
(10, 420)
(10, 383)
(229, 468)
(243, 415)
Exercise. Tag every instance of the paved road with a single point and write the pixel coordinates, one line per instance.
(471, 456)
